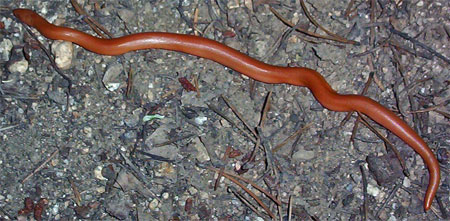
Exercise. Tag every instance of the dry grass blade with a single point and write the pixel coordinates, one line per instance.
(253, 195)
(227, 174)
(40, 166)
(292, 136)
(8, 127)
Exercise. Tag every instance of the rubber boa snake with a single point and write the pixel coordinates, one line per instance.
(220, 53)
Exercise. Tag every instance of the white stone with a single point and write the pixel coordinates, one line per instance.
(373, 190)
(19, 67)
(5, 48)
(63, 51)
(153, 204)
(98, 173)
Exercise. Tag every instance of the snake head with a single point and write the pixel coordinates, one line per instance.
(25, 15)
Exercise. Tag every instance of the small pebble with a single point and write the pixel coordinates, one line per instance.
(153, 204)
(443, 155)
(5, 48)
(18, 67)
(63, 51)
(98, 173)
(165, 195)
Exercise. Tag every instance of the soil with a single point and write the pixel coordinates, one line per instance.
(114, 148)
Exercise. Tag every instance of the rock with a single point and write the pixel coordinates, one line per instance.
(118, 209)
(20, 66)
(111, 77)
(63, 51)
(202, 153)
(132, 120)
(303, 155)
(153, 204)
(170, 152)
(126, 15)
(128, 182)
(58, 96)
(5, 48)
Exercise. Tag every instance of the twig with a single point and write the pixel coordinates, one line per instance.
(418, 43)
(304, 31)
(196, 85)
(280, 212)
(266, 108)
(433, 108)
(24, 97)
(363, 92)
(253, 195)
(137, 173)
(130, 82)
(415, 84)
(336, 37)
(349, 10)
(220, 113)
(245, 200)
(52, 62)
(186, 19)
(275, 46)
(7, 215)
(176, 139)
(239, 115)
(40, 166)
(267, 151)
(256, 186)
(445, 114)
(97, 27)
(269, 159)
(290, 208)
(388, 199)
(372, 20)
(366, 198)
(366, 88)
(442, 208)
(154, 156)
(388, 143)
(220, 173)
(76, 193)
(293, 135)
(253, 153)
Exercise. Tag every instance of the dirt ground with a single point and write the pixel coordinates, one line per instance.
(129, 141)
